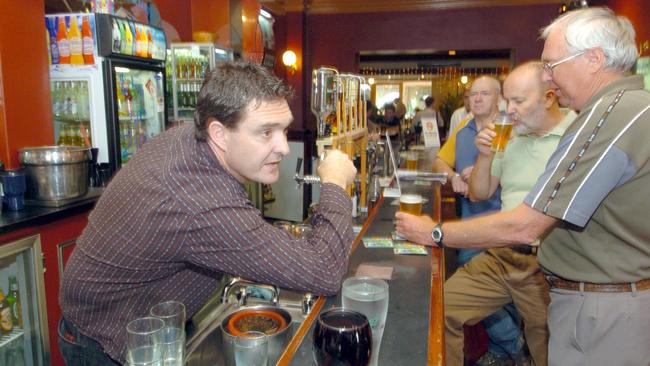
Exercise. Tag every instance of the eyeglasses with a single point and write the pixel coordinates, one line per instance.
(548, 67)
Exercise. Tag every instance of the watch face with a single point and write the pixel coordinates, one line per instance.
(436, 234)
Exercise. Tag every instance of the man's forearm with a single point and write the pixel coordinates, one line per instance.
(439, 166)
(480, 180)
(519, 226)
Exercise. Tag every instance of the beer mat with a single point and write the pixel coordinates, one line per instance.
(396, 202)
(422, 183)
(381, 272)
(409, 248)
(391, 192)
(377, 242)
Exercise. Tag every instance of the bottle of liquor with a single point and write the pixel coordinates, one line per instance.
(54, 47)
(76, 45)
(117, 37)
(6, 324)
(13, 300)
(127, 40)
(88, 46)
(62, 41)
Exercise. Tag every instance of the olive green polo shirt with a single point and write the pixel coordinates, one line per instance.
(597, 183)
(523, 160)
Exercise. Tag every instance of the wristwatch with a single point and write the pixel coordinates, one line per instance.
(436, 235)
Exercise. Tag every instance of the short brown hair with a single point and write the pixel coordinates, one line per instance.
(229, 90)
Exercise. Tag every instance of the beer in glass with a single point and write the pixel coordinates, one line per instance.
(503, 128)
(411, 203)
(412, 160)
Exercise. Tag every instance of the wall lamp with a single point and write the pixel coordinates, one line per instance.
(289, 60)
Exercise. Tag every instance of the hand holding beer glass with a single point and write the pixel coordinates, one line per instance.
(503, 129)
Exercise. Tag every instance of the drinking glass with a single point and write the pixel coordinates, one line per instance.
(342, 337)
(503, 128)
(251, 349)
(412, 160)
(144, 336)
(410, 203)
(172, 313)
(369, 296)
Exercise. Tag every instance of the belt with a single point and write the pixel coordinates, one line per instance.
(525, 249)
(560, 283)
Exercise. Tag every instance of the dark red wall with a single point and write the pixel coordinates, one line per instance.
(638, 11)
(336, 39)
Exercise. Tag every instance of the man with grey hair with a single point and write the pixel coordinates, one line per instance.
(591, 203)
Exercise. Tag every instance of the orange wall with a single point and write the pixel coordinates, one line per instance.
(178, 14)
(25, 109)
(212, 16)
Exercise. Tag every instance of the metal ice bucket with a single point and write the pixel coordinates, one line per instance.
(55, 172)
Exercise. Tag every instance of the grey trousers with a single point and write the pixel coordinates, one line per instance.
(595, 328)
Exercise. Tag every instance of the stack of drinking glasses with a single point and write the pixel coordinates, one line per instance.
(158, 339)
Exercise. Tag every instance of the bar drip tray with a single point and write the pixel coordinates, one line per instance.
(92, 194)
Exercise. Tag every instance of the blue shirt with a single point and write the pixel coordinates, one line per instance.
(466, 154)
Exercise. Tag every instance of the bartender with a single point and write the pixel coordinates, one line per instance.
(389, 122)
(176, 218)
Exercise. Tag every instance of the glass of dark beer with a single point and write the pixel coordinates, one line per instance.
(342, 337)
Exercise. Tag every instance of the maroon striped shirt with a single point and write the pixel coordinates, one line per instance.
(170, 223)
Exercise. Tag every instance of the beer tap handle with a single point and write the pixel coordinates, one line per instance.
(298, 165)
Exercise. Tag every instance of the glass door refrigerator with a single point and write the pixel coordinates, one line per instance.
(114, 100)
(187, 65)
(24, 339)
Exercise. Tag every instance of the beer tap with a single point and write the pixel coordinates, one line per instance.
(304, 179)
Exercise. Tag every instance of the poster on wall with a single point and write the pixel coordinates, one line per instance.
(430, 132)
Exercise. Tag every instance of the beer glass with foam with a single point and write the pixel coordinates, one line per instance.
(503, 128)
(410, 203)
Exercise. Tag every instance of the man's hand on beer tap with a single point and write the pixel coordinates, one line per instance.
(337, 168)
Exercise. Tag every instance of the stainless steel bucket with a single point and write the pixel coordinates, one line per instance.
(55, 172)
(277, 341)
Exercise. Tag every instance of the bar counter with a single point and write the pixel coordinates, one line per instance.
(414, 325)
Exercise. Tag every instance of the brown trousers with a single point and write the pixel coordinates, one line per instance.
(484, 285)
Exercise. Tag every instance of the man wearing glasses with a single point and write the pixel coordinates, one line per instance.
(590, 205)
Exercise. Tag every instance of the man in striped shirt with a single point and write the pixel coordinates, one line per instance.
(176, 218)
(590, 206)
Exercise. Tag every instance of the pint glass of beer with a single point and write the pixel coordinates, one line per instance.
(411, 204)
(412, 160)
(503, 128)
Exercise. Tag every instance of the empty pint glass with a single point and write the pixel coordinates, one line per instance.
(412, 160)
(503, 128)
(369, 296)
(410, 203)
